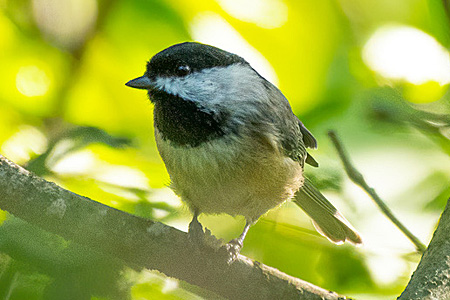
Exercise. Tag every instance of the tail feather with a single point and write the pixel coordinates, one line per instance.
(326, 218)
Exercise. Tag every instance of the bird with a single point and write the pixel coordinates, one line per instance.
(230, 141)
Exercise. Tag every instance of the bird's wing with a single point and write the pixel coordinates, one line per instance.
(295, 145)
(310, 142)
(294, 136)
(308, 138)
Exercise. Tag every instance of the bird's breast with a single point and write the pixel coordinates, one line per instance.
(236, 175)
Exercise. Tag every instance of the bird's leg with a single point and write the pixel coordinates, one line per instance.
(235, 245)
(196, 233)
(202, 238)
(240, 239)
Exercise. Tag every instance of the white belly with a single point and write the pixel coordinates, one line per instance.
(224, 176)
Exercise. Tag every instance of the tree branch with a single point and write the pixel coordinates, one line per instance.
(142, 243)
(358, 179)
(431, 280)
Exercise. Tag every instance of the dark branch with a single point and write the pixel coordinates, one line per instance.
(142, 243)
(431, 280)
(358, 179)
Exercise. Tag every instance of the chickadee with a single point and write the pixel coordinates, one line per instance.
(230, 141)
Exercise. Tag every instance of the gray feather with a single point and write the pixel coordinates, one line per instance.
(308, 138)
(327, 220)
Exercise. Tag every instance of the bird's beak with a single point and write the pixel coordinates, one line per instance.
(143, 83)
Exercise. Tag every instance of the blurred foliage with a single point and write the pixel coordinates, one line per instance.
(44, 266)
(66, 115)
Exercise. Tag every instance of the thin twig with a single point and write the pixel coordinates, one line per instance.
(358, 179)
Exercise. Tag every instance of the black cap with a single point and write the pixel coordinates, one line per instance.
(182, 59)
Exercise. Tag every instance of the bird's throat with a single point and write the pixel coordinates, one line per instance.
(182, 122)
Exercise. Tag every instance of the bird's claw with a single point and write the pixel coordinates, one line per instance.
(232, 249)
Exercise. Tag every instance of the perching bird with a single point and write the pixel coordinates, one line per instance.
(230, 141)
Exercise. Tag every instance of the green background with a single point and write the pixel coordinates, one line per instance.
(66, 114)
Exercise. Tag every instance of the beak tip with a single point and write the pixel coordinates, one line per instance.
(143, 83)
(129, 83)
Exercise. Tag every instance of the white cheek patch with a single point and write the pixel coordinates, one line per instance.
(170, 85)
(192, 86)
(236, 89)
(209, 84)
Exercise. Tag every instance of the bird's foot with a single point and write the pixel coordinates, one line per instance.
(232, 249)
(202, 238)
(196, 233)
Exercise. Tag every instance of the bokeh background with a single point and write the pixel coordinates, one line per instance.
(377, 72)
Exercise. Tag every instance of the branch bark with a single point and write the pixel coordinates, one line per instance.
(142, 243)
(431, 280)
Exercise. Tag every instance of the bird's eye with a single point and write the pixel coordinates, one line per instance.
(183, 70)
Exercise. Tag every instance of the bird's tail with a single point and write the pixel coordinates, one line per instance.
(326, 218)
